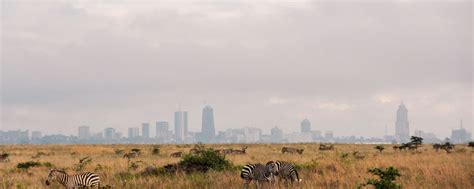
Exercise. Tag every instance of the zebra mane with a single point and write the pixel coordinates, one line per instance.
(59, 170)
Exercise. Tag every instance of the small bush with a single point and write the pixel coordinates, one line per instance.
(386, 178)
(27, 165)
(155, 151)
(204, 160)
(153, 171)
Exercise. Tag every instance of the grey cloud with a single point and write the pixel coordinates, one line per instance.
(97, 63)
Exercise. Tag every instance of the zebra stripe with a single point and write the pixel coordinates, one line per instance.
(285, 170)
(256, 172)
(86, 179)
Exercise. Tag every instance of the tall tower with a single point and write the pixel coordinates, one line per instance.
(402, 127)
(84, 132)
(180, 125)
(208, 129)
(146, 130)
(305, 126)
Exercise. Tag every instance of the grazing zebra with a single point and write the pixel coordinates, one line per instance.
(4, 157)
(227, 151)
(291, 150)
(240, 151)
(284, 170)
(176, 154)
(323, 147)
(193, 151)
(256, 172)
(132, 154)
(86, 179)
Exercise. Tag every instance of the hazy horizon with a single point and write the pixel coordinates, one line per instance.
(345, 66)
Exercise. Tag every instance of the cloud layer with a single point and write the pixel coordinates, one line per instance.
(344, 65)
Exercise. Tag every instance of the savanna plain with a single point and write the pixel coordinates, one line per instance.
(345, 166)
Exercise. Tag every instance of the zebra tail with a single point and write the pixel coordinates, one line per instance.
(298, 177)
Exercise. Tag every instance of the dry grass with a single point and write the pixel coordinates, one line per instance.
(318, 169)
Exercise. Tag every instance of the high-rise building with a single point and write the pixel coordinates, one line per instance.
(162, 128)
(180, 125)
(276, 135)
(427, 137)
(133, 132)
(208, 129)
(305, 126)
(146, 130)
(109, 133)
(251, 134)
(402, 127)
(35, 135)
(84, 132)
(461, 135)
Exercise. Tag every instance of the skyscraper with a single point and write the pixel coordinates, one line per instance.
(84, 132)
(276, 135)
(146, 130)
(162, 128)
(461, 135)
(402, 127)
(208, 129)
(132, 132)
(305, 126)
(180, 125)
(109, 133)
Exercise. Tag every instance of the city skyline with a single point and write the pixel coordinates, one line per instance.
(163, 134)
(401, 129)
(344, 66)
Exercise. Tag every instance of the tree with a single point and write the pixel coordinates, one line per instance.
(447, 146)
(437, 147)
(416, 141)
(380, 148)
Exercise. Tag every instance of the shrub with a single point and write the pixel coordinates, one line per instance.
(204, 160)
(153, 171)
(155, 151)
(27, 165)
(386, 178)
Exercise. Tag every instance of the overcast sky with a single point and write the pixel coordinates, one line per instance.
(344, 65)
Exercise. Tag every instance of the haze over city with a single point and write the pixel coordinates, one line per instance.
(345, 66)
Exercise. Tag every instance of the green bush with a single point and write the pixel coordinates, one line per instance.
(205, 159)
(386, 178)
(27, 165)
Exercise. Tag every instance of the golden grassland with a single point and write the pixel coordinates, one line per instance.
(318, 169)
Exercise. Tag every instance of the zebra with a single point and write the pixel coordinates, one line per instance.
(240, 151)
(132, 154)
(258, 173)
(87, 179)
(176, 154)
(284, 170)
(4, 157)
(291, 150)
(227, 151)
